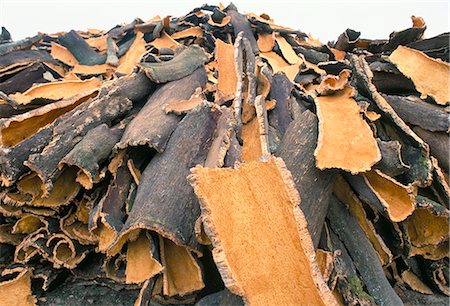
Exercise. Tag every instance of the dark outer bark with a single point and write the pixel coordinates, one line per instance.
(5, 36)
(280, 90)
(347, 40)
(182, 65)
(135, 87)
(111, 52)
(440, 186)
(404, 37)
(334, 67)
(364, 192)
(69, 132)
(363, 255)
(84, 54)
(95, 147)
(119, 31)
(23, 80)
(172, 212)
(315, 186)
(348, 281)
(413, 298)
(393, 83)
(436, 47)
(114, 101)
(415, 111)
(241, 24)
(437, 273)
(221, 298)
(234, 153)
(20, 44)
(391, 162)
(26, 56)
(415, 152)
(312, 55)
(438, 143)
(152, 126)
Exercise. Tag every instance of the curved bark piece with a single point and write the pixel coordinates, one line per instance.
(414, 282)
(20, 82)
(407, 36)
(94, 148)
(337, 147)
(15, 287)
(430, 76)
(20, 44)
(184, 106)
(222, 140)
(280, 90)
(80, 49)
(436, 47)
(440, 186)
(65, 252)
(315, 186)
(226, 69)
(182, 65)
(286, 50)
(172, 213)
(266, 42)
(428, 225)
(415, 151)
(438, 143)
(417, 112)
(29, 224)
(272, 216)
(391, 162)
(279, 64)
(241, 24)
(385, 194)
(437, 272)
(8, 237)
(345, 194)
(63, 55)
(15, 129)
(362, 253)
(331, 83)
(347, 40)
(152, 126)
(141, 265)
(24, 57)
(182, 274)
(56, 90)
(132, 57)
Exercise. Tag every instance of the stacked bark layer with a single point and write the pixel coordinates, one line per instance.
(221, 159)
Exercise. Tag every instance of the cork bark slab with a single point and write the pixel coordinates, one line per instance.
(345, 139)
(256, 208)
(430, 76)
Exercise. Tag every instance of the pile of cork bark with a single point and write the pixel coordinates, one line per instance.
(219, 158)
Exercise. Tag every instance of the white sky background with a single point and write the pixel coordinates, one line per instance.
(323, 19)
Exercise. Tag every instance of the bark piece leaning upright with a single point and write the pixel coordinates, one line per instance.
(241, 24)
(363, 255)
(172, 212)
(315, 186)
(261, 211)
(152, 126)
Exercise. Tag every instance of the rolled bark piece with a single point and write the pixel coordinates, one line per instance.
(54, 91)
(182, 274)
(20, 44)
(336, 147)
(384, 194)
(272, 216)
(221, 298)
(95, 147)
(348, 282)
(65, 252)
(438, 143)
(23, 80)
(23, 58)
(347, 40)
(80, 49)
(415, 64)
(417, 112)
(241, 24)
(415, 151)
(363, 255)
(114, 100)
(280, 90)
(391, 162)
(436, 47)
(29, 224)
(152, 126)
(345, 194)
(17, 128)
(315, 186)
(15, 287)
(182, 65)
(437, 273)
(172, 213)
